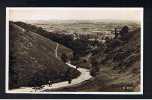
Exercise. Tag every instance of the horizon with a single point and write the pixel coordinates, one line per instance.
(77, 21)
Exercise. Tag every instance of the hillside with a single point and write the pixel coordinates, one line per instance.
(80, 47)
(32, 59)
(115, 67)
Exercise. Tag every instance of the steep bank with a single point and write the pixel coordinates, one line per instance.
(32, 59)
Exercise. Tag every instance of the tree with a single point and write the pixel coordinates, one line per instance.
(68, 75)
(95, 67)
(116, 33)
(64, 57)
(124, 32)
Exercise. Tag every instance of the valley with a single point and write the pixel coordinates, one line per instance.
(104, 56)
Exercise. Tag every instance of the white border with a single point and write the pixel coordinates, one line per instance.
(121, 93)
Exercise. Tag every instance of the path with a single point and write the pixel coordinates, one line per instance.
(85, 75)
(56, 50)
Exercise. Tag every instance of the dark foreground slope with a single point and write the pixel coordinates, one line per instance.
(32, 59)
(115, 67)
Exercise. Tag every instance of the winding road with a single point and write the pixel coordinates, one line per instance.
(85, 75)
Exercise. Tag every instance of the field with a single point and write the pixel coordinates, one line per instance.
(83, 26)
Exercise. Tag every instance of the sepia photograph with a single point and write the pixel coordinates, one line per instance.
(74, 50)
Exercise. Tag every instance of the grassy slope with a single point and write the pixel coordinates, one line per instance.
(32, 59)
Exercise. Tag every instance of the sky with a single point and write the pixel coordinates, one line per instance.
(27, 13)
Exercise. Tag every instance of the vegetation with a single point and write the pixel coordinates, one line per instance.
(115, 67)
